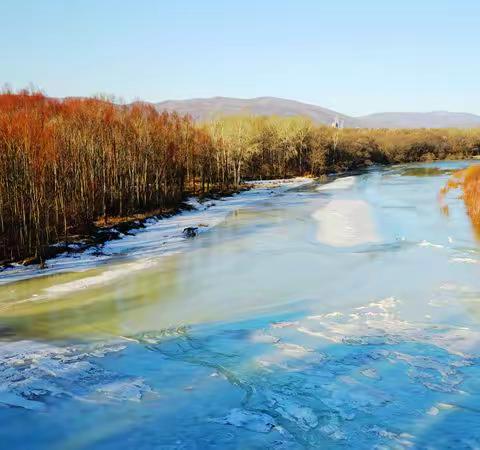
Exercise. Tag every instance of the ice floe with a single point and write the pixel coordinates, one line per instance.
(465, 260)
(32, 374)
(250, 420)
(426, 243)
(302, 416)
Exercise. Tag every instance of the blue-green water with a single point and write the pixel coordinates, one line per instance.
(324, 316)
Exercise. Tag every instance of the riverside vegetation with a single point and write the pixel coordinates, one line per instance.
(70, 166)
(467, 181)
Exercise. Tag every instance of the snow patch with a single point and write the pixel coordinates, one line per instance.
(345, 223)
(339, 183)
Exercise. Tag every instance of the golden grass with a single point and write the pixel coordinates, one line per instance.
(468, 182)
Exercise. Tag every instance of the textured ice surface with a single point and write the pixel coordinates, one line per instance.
(259, 422)
(361, 378)
(374, 346)
(33, 374)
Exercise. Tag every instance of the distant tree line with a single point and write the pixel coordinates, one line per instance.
(66, 165)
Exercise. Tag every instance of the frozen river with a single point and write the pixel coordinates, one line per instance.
(310, 315)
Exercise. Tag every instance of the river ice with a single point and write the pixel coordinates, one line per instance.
(257, 335)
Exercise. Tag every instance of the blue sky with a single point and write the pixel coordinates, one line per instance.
(354, 56)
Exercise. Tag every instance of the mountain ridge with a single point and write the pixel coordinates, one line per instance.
(202, 109)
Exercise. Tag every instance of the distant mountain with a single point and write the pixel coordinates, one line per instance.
(435, 119)
(209, 108)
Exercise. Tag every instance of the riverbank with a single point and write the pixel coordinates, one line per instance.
(114, 228)
(164, 231)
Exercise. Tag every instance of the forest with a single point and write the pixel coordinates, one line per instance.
(69, 166)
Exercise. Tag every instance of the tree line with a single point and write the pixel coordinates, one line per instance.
(69, 165)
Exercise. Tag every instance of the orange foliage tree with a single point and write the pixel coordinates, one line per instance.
(65, 164)
(468, 181)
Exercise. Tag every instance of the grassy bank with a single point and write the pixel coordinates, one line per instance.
(467, 181)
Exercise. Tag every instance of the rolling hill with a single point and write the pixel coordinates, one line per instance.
(208, 108)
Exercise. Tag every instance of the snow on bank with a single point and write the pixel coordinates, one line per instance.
(269, 184)
(159, 238)
(345, 223)
(338, 184)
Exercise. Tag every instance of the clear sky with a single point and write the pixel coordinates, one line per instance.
(354, 56)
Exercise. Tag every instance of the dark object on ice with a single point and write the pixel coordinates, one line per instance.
(102, 236)
(190, 232)
(5, 266)
(6, 331)
(127, 227)
(31, 260)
